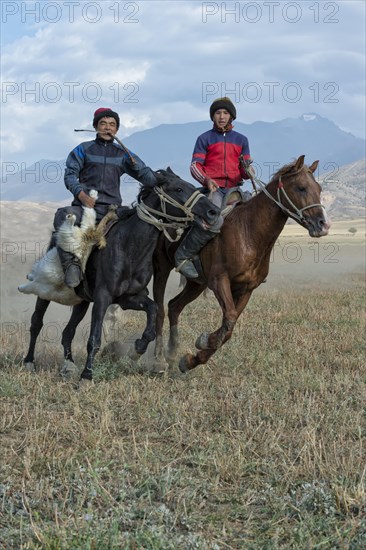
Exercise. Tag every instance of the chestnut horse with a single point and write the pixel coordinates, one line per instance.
(237, 260)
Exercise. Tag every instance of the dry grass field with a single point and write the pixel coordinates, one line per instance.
(262, 448)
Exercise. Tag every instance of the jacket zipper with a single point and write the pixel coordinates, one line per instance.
(225, 159)
(104, 165)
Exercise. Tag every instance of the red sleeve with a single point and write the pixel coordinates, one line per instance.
(198, 169)
(198, 172)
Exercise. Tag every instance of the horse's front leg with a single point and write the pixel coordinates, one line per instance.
(190, 292)
(214, 340)
(141, 302)
(100, 306)
(35, 329)
(70, 371)
(209, 343)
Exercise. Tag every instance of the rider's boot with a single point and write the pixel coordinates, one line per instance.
(72, 268)
(190, 246)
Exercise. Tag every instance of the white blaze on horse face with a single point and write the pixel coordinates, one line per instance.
(327, 220)
(321, 229)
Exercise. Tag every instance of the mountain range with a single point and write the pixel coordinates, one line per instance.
(272, 144)
(344, 191)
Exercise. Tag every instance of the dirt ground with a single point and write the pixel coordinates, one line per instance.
(297, 261)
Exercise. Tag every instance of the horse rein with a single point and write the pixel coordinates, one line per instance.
(146, 213)
(298, 213)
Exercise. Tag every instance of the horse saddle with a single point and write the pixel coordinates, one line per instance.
(123, 213)
(232, 198)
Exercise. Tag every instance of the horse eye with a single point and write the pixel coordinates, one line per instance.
(302, 189)
(179, 190)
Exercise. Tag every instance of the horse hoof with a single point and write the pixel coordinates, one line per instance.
(185, 364)
(29, 367)
(158, 367)
(133, 355)
(70, 372)
(141, 345)
(202, 341)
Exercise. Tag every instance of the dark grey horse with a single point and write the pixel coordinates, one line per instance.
(119, 274)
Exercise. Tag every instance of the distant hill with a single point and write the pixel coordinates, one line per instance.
(272, 145)
(344, 190)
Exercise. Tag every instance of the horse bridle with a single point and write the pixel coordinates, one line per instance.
(297, 213)
(148, 214)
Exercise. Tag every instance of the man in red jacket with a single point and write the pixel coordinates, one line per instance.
(217, 166)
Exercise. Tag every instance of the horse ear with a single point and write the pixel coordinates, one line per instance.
(159, 177)
(170, 170)
(314, 166)
(300, 162)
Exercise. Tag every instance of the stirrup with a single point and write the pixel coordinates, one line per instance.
(187, 269)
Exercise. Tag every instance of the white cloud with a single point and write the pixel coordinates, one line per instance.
(159, 62)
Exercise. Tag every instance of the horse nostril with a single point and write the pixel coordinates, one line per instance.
(212, 213)
(323, 224)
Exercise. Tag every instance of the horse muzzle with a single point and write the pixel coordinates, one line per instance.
(207, 216)
(318, 227)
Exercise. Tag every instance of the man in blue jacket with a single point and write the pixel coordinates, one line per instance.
(97, 164)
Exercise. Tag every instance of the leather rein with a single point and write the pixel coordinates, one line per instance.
(297, 213)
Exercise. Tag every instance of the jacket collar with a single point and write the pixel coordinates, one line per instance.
(103, 141)
(227, 128)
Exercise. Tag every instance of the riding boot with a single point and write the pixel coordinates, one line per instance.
(72, 268)
(192, 243)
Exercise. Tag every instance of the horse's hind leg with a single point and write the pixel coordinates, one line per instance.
(35, 329)
(175, 307)
(100, 306)
(162, 269)
(69, 370)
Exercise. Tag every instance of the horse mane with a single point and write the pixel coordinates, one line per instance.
(282, 171)
(143, 194)
(237, 212)
(162, 176)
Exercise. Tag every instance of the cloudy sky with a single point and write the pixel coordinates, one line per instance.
(165, 61)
